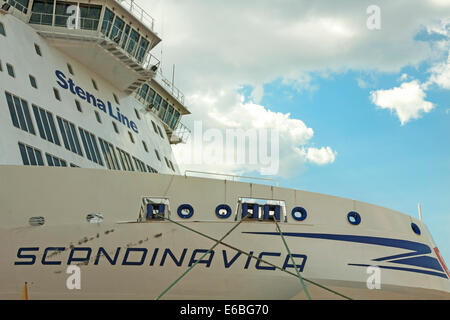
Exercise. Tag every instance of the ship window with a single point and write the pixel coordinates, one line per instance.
(157, 155)
(109, 154)
(157, 101)
(107, 21)
(160, 132)
(174, 121)
(33, 81)
(78, 104)
(70, 69)
(116, 99)
(94, 84)
(117, 29)
(171, 166)
(1, 67)
(125, 159)
(30, 155)
(90, 16)
(46, 125)
(154, 209)
(97, 116)
(133, 42)
(163, 109)
(154, 127)
(167, 162)
(42, 12)
(144, 90)
(169, 115)
(150, 96)
(115, 127)
(53, 161)
(69, 135)
(131, 136)
(57, 95)
(73, 165)
(137, 114)
(151, 170)
(38, 50)
(21, 5)
(143, 46)
(90, 146)
(2, 29)
(62, 13)
(10, 69)
(140, 166)
(145, 146)
(20, 113)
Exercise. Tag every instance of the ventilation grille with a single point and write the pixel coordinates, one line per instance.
(37, 221)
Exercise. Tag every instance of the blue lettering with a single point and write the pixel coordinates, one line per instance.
(258, 266)
(300, 267)
(125, 261)
(225, 259)
(80, 92)
(103, 251)
(44, 257)
(62, 79)
(177, 262)
(207, 262)
(83, 259)
(101, 105)
(21, 256)
(134, 126)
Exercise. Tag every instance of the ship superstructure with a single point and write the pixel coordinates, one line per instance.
(84, 89)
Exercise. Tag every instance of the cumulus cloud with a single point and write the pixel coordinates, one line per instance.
(407, 101)
(281, 145)
(219, 47)
(321, 156)
(440, 74)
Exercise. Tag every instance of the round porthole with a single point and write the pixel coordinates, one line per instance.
(185, 211)
(299, 213)
(354, 218)
(223, 211)
(415, 228)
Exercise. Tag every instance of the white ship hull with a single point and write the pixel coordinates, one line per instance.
(330, 251)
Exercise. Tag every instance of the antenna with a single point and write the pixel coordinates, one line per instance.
(420, 211)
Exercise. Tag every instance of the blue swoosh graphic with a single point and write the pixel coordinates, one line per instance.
(416, 248)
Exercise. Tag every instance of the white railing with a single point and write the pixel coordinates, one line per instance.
(231, 177)
(16, 5)
(169, 86)
(138, 12)
(181, 133)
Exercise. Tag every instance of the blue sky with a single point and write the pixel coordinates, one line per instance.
(379, 161)
(362, 113)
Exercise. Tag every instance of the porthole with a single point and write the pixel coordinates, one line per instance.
(223, 211)
(415, 228)
(299, 213)
(354, 218)
(185, 211)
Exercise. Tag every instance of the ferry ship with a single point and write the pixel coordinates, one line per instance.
(89, 180)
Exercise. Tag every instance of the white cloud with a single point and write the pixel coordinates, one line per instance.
(321, 156)
(408, 100)
(441, 74)
(294, 137)
(220, 46)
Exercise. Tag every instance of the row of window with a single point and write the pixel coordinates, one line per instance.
(166, 111)
(33, 157)
(46, 124)
(21, 118)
